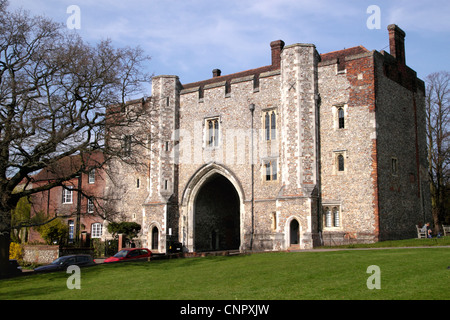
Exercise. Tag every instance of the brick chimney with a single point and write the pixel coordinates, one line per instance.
(397, 43)
(216, 73)
(277, 46)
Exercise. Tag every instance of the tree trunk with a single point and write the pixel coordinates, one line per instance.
(5, 229)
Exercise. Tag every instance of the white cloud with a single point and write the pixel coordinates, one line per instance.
(191, 37)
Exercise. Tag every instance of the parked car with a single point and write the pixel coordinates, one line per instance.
(130, 254)
(14, 267)
(174, 247)
(81, 260)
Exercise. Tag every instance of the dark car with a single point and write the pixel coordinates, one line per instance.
(130, 254)
(81, 260)
(174, 247)
(14, 267)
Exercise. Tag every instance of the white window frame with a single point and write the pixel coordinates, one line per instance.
(96, 230)
(71, 225)
(91, 176)
(90, 205)
(332, 217)
(67, 195)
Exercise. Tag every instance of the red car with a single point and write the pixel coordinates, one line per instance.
(129, 254)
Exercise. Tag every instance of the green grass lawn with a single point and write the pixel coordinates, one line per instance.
(405, 274)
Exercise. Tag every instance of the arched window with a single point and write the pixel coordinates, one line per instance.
(327, 217)
(341, 118)
(273, 125)
(331, 217)
(336, 218)
(155, 238)
(213, 132)
(267, 125)
(270, 125)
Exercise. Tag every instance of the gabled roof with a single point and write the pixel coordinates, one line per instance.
(68, 166)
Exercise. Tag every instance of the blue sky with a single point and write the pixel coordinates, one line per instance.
(190, 38)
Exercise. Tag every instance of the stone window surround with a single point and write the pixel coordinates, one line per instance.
(264, 163)
(336, 154)
(332, 208)
(206, 136)
(335, 113)
(273, 135)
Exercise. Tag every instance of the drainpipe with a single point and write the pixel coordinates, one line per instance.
(78, 224)
(252, 109)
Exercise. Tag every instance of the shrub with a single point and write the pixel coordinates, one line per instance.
(54, 232)
(15, 251)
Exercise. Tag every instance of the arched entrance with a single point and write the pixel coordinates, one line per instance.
(294, 233)
(217, 215)
(155, 238)
(211, 185)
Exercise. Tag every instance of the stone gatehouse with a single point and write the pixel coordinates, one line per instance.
(312, 149)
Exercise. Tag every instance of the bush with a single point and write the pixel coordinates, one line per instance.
(54, 232)
(15, 251)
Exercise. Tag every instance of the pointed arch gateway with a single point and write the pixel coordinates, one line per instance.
(212, 210)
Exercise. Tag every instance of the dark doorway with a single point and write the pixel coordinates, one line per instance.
(155, 238)
(294, 232)
(217, 216)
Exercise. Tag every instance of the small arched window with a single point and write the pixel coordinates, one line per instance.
(273, 125)
(336, 218)
(270, 125)
(327, 217)
(341, 118)
(341, 164)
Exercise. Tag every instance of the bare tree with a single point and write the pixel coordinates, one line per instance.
(54, 88)
(438, 136)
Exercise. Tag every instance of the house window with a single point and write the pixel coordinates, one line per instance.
(91, 176)
(67, 194)
(331, 217)
(270, 125)
(212, 127)
(71, 229)
(270, 170)
(96, 230)
(341, 119)
(340, 162)
(90, 206)
(126, 145)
